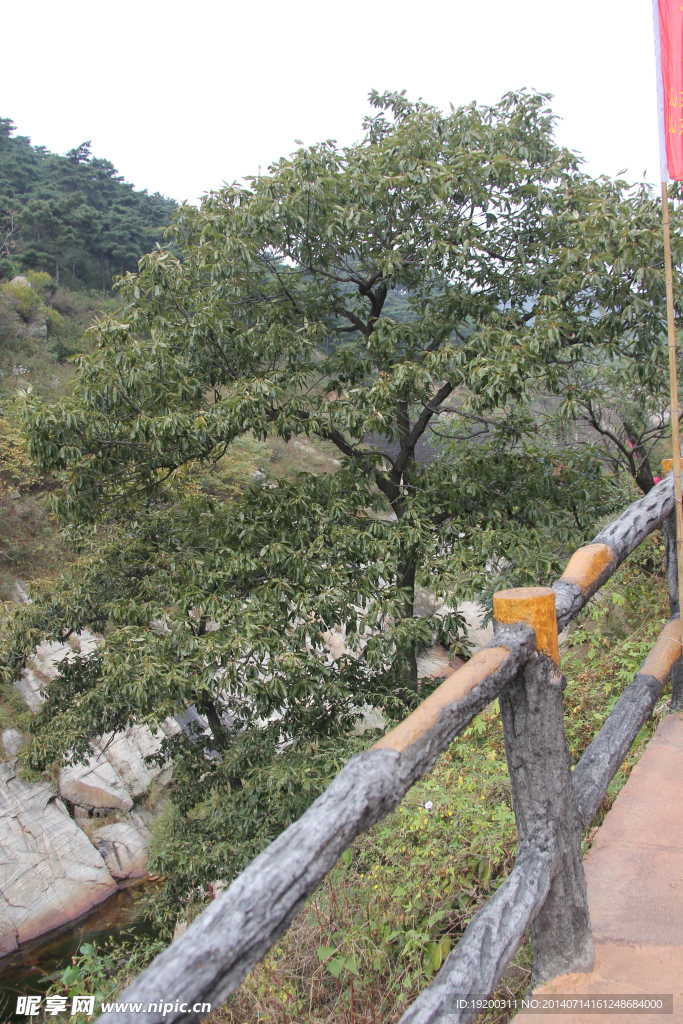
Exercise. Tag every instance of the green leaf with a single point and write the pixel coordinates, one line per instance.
(70, 975)
(641, 735)
(335, 967)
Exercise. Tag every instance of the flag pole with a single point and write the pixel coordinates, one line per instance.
(673, 381)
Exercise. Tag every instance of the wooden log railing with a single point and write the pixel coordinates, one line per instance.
(546, 888)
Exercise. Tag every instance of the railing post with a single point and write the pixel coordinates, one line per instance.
(669, 530)
(545, 807)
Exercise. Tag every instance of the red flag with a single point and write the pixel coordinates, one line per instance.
(668, 24)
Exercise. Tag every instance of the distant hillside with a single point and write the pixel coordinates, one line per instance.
(72, 216)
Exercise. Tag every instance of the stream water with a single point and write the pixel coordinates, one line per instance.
(27, 971)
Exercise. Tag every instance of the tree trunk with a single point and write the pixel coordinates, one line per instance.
(643, 474)
(102, 262)
(406, 571)
(73, 272)
(57, 271)
(213, 718)
(408, 562)
(644, 477)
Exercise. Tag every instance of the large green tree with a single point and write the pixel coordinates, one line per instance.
(444, 272)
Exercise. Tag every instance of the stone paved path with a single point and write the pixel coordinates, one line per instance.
(634, 872)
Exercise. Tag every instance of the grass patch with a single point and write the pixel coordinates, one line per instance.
(29, 542)
(250, 461)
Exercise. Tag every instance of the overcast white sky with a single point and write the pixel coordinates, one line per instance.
(184, 96)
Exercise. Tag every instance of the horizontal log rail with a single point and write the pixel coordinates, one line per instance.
(601, 759)
(546, 888)
(591, 566)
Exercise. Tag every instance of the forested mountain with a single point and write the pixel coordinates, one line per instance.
(72, 215)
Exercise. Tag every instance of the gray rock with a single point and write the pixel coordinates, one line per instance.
(37, 331)
(45, 664)
(30, 686)
(20, 593)
(370, 718)
(94, 785)
(143, 821)
(478, 635)
(50, 873)
(21, 281)
(170, 727)
(126, 752)
(426, 603)
(123, 849)
(116, 773)
(41, 671)
(12, 741)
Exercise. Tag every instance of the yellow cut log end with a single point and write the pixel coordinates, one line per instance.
(587, 565)
(535, 607)
(665, 652)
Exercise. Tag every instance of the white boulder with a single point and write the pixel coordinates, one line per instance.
(50, 873)
(143, 821)
(12, 741)
(45, 665)
(478, 634)
(126, 752)
(94, 785)
(20, 593)
(123, 849)
(30, 686)
(47, 658)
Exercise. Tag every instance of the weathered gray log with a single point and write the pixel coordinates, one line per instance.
(639, 520)
(543, 797)
(672, 580)
(602, 758)
(622, 536)
(236, 931)
(474, 967)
